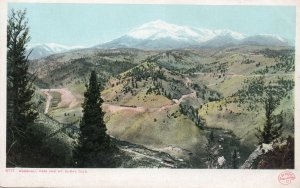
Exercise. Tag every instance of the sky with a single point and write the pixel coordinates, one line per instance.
(92, 24)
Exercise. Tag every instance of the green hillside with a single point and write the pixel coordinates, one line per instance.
(170, 101)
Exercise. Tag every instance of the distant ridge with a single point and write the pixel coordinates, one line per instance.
(43, 50)
(162, 35)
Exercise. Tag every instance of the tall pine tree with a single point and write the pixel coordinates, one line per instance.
(270, 130)
(20, 109)
(95, 148)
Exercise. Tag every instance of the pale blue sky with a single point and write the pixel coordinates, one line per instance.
(91, 24)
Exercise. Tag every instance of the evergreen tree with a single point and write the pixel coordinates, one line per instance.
(95, 148)
(21, 111)
(270, 131)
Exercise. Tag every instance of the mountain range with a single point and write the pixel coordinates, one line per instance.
(160, 35)
(42, 50)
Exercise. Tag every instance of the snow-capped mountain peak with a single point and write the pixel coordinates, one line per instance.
(39, 50)
(54, 47)
(162, 35)
(159, 29)
(233, 34)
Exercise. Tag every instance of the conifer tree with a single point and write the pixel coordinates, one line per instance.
(20, 109)
(95, 148)
(270, 130)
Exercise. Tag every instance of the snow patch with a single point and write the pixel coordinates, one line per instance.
(40, 50)
(53, 47)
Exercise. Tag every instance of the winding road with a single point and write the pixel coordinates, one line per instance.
(68, 99)
(48, 102)
(117, 108)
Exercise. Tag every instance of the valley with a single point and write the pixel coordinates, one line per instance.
(162, 106)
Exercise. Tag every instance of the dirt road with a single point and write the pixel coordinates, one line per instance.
(49, 98)
(117, 108)
(68, 100)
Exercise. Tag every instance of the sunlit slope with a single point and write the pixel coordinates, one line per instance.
(157, 129)
(155, 98)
